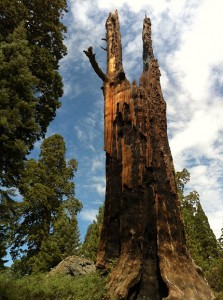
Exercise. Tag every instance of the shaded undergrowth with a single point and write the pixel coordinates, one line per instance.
(42, 287)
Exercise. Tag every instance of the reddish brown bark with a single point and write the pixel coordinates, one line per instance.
(143, 232)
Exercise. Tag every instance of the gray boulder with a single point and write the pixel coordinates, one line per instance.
(73, 266)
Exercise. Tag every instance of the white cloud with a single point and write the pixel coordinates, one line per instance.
(100, 188)
(88, 214)
(216, 221)
(97, 164)
(69, 88)
(98, 184)
(80, 133)
(202, 130)
(88, 128)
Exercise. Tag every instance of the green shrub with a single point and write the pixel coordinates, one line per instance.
(42, 287)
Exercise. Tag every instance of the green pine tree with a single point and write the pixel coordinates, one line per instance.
(91, 242)
(18, 124)
(48, 205)
(201, 241)
(63, 241)
(31, 45)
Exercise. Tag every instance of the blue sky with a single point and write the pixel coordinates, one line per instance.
(188, 44)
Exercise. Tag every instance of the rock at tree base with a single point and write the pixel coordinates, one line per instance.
(74, 266)
(142, 230)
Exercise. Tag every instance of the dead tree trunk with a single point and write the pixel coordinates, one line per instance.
(142, 234)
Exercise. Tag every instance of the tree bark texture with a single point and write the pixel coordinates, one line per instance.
(143, 234)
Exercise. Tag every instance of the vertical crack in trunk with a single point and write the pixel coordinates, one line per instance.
(142, 233)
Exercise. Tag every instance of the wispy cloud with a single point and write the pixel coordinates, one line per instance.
(88, 214)
(98, 163)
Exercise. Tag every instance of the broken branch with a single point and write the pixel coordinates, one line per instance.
(105, 49)
(89, 53)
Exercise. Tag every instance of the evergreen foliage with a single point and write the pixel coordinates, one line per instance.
(17, 103)
(63, 242)
(7, 212)
(31, 45)
(221, 240)
(217, 272)
(92, 238)
(46, 228)
(3, 247)
(201, 241)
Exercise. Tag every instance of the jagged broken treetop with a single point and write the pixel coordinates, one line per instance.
(114, 49)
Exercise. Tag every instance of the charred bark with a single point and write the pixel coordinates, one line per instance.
(143, 231)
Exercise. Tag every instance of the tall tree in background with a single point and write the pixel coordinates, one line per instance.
(201, 241)
(18, 124)
(48, 209)
(64, 239)
(216, 277)
(31, 45)
(92, 238)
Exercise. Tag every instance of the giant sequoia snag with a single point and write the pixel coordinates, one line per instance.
(142, 231)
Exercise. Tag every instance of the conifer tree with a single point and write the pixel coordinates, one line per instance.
(92, 238)
(64, 241)
(18, 124)
(201, 241)
(31, 45)
(48, 194)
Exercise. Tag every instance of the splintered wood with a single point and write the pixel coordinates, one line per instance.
(142, 231)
